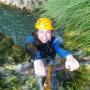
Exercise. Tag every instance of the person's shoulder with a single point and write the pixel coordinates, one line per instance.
(30, 39)
(57, 38)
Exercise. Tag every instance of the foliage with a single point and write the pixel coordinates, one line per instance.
(80, 79)
(11, 53)
(10, 56)
(74, 16)
(5, 42)
(13, 82)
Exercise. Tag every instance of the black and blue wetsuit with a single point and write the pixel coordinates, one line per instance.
(44, 50)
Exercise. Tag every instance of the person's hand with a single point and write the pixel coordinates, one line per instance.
(71, 63)
(39, 67)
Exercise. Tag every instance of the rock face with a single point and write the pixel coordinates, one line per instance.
(28, 4)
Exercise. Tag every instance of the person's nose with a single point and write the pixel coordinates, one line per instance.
(45, 36)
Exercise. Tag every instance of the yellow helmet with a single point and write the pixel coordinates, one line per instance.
(44, 23)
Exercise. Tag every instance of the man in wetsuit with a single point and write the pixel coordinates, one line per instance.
(44, 44)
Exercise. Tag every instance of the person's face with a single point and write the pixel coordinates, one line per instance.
(44, 35)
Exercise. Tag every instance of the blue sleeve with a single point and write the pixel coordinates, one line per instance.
(30, 41)
(57, 46)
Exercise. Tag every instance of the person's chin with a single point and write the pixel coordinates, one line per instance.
(44, 41)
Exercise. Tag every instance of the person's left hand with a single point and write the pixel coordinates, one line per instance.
(71, 63)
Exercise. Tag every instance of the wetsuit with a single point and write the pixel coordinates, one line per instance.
(44, 50)
(41, 51)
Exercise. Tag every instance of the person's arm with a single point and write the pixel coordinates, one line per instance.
(71, 63)
(58, 48)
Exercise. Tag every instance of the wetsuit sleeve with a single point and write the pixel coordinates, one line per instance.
(31, 48)
(58, 48)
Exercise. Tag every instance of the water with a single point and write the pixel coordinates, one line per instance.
(15, 23)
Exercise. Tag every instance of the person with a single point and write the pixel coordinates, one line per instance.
(44, 44)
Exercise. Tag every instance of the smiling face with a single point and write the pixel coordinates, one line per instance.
(44, 35)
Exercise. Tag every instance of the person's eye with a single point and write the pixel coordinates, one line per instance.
(41, 31)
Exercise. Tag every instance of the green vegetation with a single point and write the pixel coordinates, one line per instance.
(9, 52)
(79, 80)
(10, 56)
